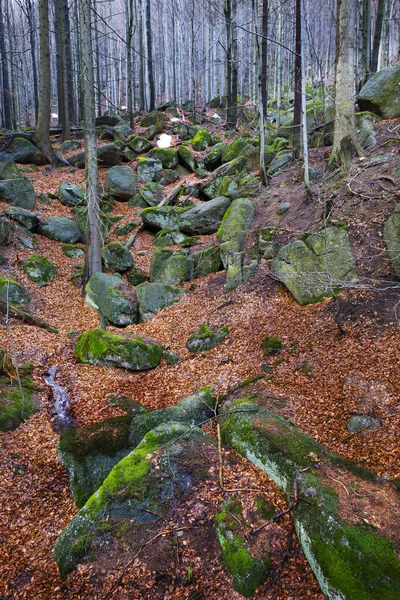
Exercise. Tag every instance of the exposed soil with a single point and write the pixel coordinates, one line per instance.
(319, 379)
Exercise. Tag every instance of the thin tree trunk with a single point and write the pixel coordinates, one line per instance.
(6, 92)
(150, 68)
(264, 47)
(377, 35)
(297, 84)
(32, 40)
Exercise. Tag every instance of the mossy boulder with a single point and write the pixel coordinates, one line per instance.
(201, 140)
(236, 147)
(392, 240)
(231, 235)
(186, 158)
(133, 489)
(206, 261)
(12, 291)
(72, 251)
(140, 145)
(22, 151)
(125, 229)
(121, 183)
(122, 131)
(280, 161)
(135, 276)
(71, 144)
(40, 269)
(117, 257)
(170, 237)
(206, 338)
(316, 266)
(5, 231)
(380, 94)
(155, 218)
(22, 216)
(170, 267)
(204, 218)
(98, 347)
(155, 296)
(70, 194)
(147, 168)
(115, 300)
(364, 122)
(166, 177)
(247, 572)
(60, 229)
(16, 404)
(167, 156)
(9, 170)
(19, 192)
(233, 167)
(213, 160)
(349, 558)
(154, 118)
(107, 156)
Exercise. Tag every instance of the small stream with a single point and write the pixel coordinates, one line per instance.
(63, 419)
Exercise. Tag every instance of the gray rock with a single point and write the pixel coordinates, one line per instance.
(121, 183)
(117, 257)
(9, 170)
(206, 338)
(280, 161)
(167, 156)
(206, 261)
(155, 296)
(232, 233)
(358, 423)
(380, 94)
(147, 168)
(60, 229)
(40, 269)
(70, 194)
(155, 218)
(170, 267)
(113, 298)
(19, 192)
(12, 291)
(154, 118)
(204, 218)
(22, 151)
(392, 240)
(140, 145)
(22, 216)
(5, 231)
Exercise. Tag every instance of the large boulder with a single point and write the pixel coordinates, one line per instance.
(139, 144)
(167, 156)
(317, 266)
(23, 217)
(155, 218)
(60, 229)
(115, 300)
(107, 156)
(154, 118)
(98, 347)
(392, 239)
(350, 559)
(5, 231)
(121, 183)
(12, 291)
(21, 150)
(40, 269)
(70, 194)
(147, 169)
(9, 170)
(170, 267)
(17, 399)
(19, 192)
(155, 296)
(186, 158)
(204, 218)
(201, 140)
(206, 261)
(117, 257)
(381, 93)
(232, 233)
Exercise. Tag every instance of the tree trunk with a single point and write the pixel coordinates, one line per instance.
(366, 41)
(6, 92)
(345, 143)
(32, 40)
(150, 68)
(94, 241)
(264, 47)
(42, 132)
(297, 84)
(129, 62)
(377, 35)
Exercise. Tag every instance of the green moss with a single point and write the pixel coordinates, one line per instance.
(201, 140)
(265, 510)
(167, 156)
(39, 269)
(205, 338)
(72, 251)
(12, 291)
(15, 406)
(271, 345)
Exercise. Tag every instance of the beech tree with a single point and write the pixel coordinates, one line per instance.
(6, 92)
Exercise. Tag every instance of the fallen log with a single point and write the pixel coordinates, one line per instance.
(25, 316)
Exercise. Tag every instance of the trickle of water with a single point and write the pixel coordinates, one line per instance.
(63, 419)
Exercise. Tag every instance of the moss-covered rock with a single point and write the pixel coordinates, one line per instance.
(166, 177)
(280, 161)
(155, 218)
(135, 276)
(107, 156)
(206, 261)
(392, 240)
(167, 156)
(170, 267)
(19, 192)
(170, 237)
(247, 572)
(22, 151)
(60, 229)
(97, 347)
(271, 345)
(206, 338)
(40, 269)
(235, 148)
(117, 257)
(153, 118)
(213, 160)
(23, 217)
(131, 489)
(155, 296)
(121, 183)
(16, 404)
(72, 251)
(233, 167)
(201, 140)
(9, 170)
(115, 300)
(350, 560)
(70, 194)
(380, 94)
(186, 158)
(5, 231)
(140, 145)
(232, 233)
(204, 218)
(316, 266)
(71, 144)
(12, 291)
(147, 168)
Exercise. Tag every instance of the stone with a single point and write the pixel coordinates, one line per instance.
(5, 231)
(283, 208)
(231, 235)
(170, 237)
(364, 122)
(16, 403)
(9, 170)
(201, 140)
(213, 160)
(170, 267)
(40, 269)
(115, 300)
(154, 118)
(236, 148)
(125, 229)
(21, 150)
(19, 192)
(380, 95)
(147, 168)
(204, 218)
(72, 251)
(168, 157)
(133, 353)
(22, 216)
(117, 257)
(186, 158)
(60, 229)
(358, 423)
(280, 161)
(71, 145)
(135, 276)
(107, 156)
(315, 267)
(110, 120)
(121, 183)
(155, 218)
(12, 291)
(392, 240)
(70, 194)
(139, 144)
(166, 177)
(206, 261)
(122, 131)
(233, 167)
(206, 338)
(155, 296)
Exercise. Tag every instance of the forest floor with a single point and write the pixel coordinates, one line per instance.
(321, 379)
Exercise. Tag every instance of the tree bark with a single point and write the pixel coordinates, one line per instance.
(297, 84)
(6, 92)
(150, 67)
(377, 35)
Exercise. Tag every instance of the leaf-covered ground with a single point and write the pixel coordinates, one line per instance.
(318, 380)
